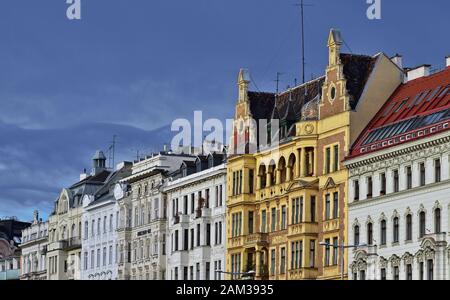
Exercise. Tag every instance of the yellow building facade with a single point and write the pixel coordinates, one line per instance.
(287, 201)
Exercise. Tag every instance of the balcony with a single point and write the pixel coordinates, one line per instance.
(303, 228)
(260, 239)
(72, 243)
(303, 273)
(236, 242)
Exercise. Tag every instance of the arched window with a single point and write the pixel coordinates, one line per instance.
(422, 224)
(262, 175)
(409, 227)
(369, 234)
(356, 235)
(396, 230)
(291, 166)
(272, 173)
(282, 169)
(437, 220)
(383, 232)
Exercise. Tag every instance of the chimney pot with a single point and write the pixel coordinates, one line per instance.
(398, 60)
(447, 61)
(419, 72)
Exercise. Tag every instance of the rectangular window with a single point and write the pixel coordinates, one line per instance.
(250, 222)
(272, 264)
(192, 238)
(110, 255)
(335, 251)
(104, 256)
(408, 177)
(250, 180)
(335, 205)
(383, 232)
(273, 220)
(396, 188)
(437, 170)
(185, 273)
(208, 234)
(383, 184)
(312, 253)
(185, 205)
(421, 271)
(369, 187)
(327, 206)
(355, 190)
(383, 274)
(313, 209)
(197, 271)
(263, 221)
(336, 158)
(327, 160)
(186, 240)
(198, 235)
(207, 270)
(283, 217)
(396, 273)
(327, 253)
(422, 174)
(192, 203)
(408, 272)
(176, 240)
(283, 261)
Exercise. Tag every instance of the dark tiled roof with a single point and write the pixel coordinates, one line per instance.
(419, 104)
(357, 69)
(261, 105)
(99, 178)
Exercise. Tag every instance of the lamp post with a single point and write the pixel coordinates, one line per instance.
(342, 247)
(250, 273)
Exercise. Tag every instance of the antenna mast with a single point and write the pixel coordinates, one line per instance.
(303, 42)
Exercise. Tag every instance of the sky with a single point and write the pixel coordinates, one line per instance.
(129, 68)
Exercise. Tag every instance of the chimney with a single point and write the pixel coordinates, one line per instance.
(398, 60)
(447, 61)
(83, 175)
(418, 72)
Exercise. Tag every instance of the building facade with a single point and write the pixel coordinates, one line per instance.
(142, 231)
(287, 199)
(34, 250)
(196, 226)
(100, 221)
(399, 184)
(65, 223)
(10, 239)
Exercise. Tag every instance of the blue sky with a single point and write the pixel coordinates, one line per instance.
(131, 67)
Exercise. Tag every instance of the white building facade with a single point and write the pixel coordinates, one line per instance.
(196, 225)
(34, 250)
(143, 218)
(399, 187)
(100, 221)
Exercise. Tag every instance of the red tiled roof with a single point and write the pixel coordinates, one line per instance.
(417, 108)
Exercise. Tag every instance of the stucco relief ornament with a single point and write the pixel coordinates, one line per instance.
(309, 128)
(383, 262)
(395, 261)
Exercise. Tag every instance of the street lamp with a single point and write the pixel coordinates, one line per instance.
(250, 273)
(342, 247)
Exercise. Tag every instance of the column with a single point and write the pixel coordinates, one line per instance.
(278, 176)
(288, 173)
(258, 182)
(314, 161)
(258, 263)
(300, 164)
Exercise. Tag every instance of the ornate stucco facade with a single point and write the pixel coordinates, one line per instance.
(287, 199)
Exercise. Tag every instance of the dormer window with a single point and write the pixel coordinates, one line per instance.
(198, 165)
(184, 170)
(210, 161)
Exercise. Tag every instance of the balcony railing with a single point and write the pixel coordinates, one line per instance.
(256, 238)
(72, 243)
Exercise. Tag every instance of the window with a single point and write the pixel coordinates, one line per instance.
(408, 177)
(104, 224)
(86, 230)
(110, 255)
(176, 241)
(396, 230)
(283, 217)
(430, 269)
(186, 239)
(422, 174)
(396, 187)
(185, 205)
(272, 262)
(313, 209)
(98, 226)
(296, 254)
(327, 206)
(383, 232)
(236, 224)
(408, 272)
(327, 160)
(198, 235)
(396, 273)
(192, 238)
(250, 180)
(85, 260)
(263, 221)
(355, 190)
(297, 210)
(93, 227)
(356, 235)
(274, 219)
(335, 251)
(422, 224)
(437, 170)
(250, 222)
(283, 261)
(104, 256)
(383, 183)
(409, 227)
(192, 203)
(362, 275)
(208, 234)
(369, 234)
(421, 271)
(369, 187)
(335, 205)
(176, 273)
(312, 253)
(98, 258)
(383, 274)
(327, 253)
(336, 157)
(437, 220)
